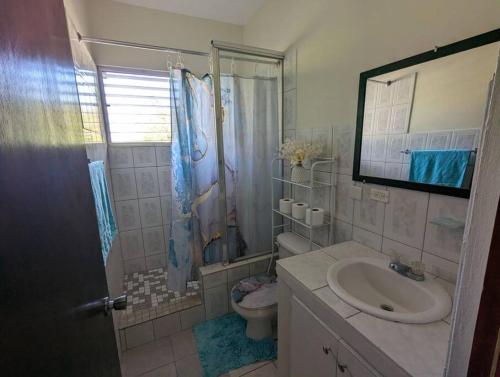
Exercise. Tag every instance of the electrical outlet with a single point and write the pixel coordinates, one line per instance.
(379, 195)
(356, 192)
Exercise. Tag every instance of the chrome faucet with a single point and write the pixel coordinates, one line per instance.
(414, 272)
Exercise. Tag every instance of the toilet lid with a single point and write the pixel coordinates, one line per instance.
(255, 292)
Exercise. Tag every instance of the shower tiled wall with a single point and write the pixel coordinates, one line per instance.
(141, 188)
(405, 225)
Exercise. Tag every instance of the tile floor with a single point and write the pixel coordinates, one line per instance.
(176, 356)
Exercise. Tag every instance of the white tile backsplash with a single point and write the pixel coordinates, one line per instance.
(163, 155)
(440, 240)
(405, 216)
(344, 205)
(120, 157)
(164, 180)
(406, 253)
(367, 238)
(368, 213)
(443, 268)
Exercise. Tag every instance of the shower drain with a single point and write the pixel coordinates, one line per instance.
(386, 307)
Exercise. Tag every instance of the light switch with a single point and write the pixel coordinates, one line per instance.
(379, 195)
(356, 192)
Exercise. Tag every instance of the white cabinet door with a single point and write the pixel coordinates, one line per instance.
(350, 364)
(313, 347)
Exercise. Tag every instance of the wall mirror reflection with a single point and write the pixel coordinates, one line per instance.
(420, 119)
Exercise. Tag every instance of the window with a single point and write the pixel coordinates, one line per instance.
(137, 105)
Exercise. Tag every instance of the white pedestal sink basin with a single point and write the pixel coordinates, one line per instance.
(371, 286)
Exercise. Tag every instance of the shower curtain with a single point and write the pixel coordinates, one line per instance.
(195, 215)
(251, 139)
(250, 127)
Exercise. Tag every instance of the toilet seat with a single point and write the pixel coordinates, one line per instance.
(264, 297)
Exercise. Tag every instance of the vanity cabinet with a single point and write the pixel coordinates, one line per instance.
(315, 350)
(350, 364)
(313, 347)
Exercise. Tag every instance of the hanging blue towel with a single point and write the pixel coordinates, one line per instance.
(105, 218)
(439, 167)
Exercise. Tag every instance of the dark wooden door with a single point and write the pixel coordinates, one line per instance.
(50, 260)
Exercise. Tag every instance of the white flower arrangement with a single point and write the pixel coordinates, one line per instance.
(298, 151)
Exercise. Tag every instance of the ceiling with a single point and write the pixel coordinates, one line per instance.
(232, 11)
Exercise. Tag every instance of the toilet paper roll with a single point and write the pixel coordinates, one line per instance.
(299, 210)
(286, 205)
(315, 216)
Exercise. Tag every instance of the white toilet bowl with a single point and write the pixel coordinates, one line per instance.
(259, 318)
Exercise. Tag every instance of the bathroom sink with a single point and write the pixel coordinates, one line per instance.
(371, 286)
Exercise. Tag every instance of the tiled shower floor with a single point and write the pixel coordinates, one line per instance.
(148, 297)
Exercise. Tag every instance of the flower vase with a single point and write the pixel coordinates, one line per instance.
(299, 174)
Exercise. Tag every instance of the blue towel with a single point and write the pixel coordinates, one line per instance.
(439, 167)
(105, 218)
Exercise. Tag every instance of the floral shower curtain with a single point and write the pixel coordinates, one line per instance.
(195, 214)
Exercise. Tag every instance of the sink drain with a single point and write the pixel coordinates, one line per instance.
(387, 308)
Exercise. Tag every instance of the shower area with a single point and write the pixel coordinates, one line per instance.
(226, 128)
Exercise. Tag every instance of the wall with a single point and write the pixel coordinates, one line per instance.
(477, 240)
(113, 20)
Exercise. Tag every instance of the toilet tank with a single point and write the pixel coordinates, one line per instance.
(291, 244)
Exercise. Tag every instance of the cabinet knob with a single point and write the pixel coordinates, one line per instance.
(327, 350)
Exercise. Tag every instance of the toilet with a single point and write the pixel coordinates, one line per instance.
(259, 306)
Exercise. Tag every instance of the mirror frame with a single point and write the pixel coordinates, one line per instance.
(438, 52)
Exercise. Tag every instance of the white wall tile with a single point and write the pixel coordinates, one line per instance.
(134, 265)
(156, 261)
(238, 273)
(139, 334)
(342, 231)
(163, 156)
(215, 279)
(392, 171)
(382, 120)
(366, 147)
(377, 169)
(367, 238)
(120, 157)
(127, 213)
(216, 301)
(368, 213)
(166, 234)
(379, 148)
(150, 211)
(144, 156)
(395, 144)
(345, 149)
(439, 140)
(324, 136)
(167, 325)
(154, 240)
(405, 216)
(124, 186)
(415, 142)
(164, 180)
(408, 254)
(131, 244)
(192, 316)
(344, 205)
(443, 268)
(440, 240)
(259, 267)
(147, 182)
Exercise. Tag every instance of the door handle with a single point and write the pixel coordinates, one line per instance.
(118, 303)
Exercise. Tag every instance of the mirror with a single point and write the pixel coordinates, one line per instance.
(420, 119)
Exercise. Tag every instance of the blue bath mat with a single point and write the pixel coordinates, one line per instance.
(223, 345)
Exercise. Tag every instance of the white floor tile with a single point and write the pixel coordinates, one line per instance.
(146, 358)
(183, 344)
(189, 367)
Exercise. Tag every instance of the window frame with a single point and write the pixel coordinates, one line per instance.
(126, 70)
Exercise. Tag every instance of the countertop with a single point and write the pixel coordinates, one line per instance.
(416, 350)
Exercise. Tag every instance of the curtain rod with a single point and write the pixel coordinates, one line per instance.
(142, 46)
